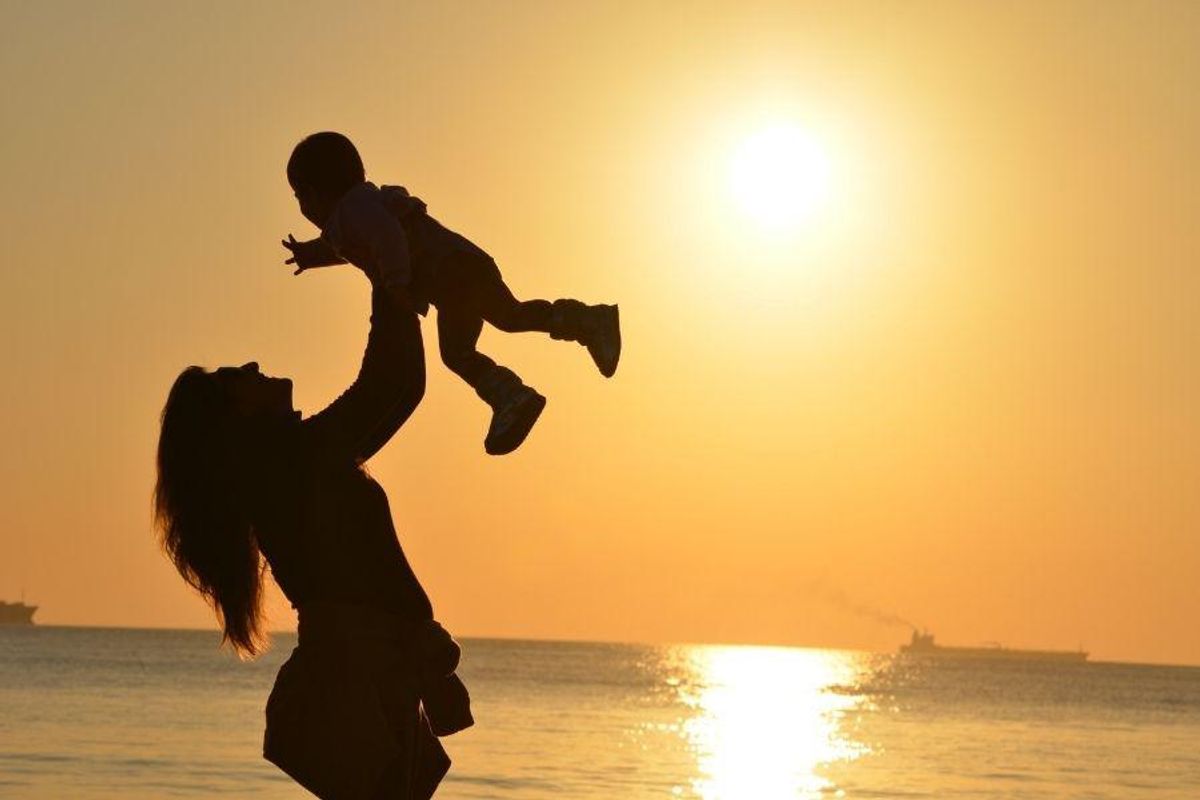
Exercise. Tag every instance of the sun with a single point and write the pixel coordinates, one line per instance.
(780, 176)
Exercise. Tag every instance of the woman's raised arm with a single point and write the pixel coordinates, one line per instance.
(389, 386)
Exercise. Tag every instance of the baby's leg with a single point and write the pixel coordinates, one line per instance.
(598, 328)
(515, 406)
(500, 308)
(458, 334)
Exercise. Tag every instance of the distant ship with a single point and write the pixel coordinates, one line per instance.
(16, 613)
(922, 644)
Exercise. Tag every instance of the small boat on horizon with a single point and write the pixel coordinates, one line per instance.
(16, 613)
(922, 644)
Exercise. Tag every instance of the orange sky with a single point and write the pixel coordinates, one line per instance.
(963, 391)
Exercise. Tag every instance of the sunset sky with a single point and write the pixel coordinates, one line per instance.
(946, 371)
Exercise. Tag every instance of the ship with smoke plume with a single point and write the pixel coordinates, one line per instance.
(922, 644)
(16, 613)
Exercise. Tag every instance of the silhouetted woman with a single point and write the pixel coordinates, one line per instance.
(241, 476)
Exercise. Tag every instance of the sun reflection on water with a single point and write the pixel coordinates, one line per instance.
(767, 720)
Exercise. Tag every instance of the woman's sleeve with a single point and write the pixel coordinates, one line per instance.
(388, 388)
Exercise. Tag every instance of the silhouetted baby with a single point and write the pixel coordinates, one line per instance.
(386, 232)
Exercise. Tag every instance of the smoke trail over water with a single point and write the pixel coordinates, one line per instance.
(839, 599)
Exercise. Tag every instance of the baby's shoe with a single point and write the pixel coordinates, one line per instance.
(515, 409)
(598, 328)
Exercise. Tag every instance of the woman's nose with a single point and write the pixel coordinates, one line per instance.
(251, 366)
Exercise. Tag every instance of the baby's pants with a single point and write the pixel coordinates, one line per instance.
(468, 291)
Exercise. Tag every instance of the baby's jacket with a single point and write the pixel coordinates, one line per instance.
(387, 233)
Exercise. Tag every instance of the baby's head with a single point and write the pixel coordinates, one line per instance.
(323, 167)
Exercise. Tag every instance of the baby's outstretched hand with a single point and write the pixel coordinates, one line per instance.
(310, 254)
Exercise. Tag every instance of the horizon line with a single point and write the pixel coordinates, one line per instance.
(568, 640)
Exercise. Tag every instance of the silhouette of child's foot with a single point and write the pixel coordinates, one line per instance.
(513, 417)
(515, 409)
(598, 328)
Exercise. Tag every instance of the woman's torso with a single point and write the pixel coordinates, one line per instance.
(329, 538)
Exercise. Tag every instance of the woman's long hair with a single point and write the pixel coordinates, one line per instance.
(200, 510)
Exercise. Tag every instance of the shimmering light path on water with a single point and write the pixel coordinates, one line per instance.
(94, 713)
(764, 722)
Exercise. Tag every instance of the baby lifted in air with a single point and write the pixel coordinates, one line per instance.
(386, 232)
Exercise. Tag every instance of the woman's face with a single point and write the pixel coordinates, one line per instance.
(255, 394)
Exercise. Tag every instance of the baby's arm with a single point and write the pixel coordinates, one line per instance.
(377, 233)
(311, 254)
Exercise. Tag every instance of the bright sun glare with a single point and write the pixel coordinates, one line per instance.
(780, 176)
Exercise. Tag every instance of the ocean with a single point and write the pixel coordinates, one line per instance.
(110, 713)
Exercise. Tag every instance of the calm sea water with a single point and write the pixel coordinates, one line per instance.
(102, 713)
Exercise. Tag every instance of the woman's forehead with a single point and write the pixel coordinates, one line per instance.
(249, 366)
(230, 373)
